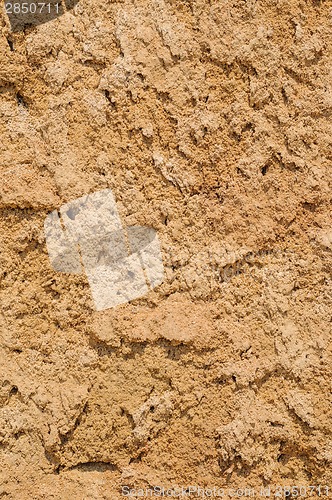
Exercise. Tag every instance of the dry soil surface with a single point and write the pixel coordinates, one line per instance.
(210, 121)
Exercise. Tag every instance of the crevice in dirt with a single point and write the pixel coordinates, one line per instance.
(92, 466)
(65, 438)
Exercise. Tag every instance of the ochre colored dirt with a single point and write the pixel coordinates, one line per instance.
(211, 123)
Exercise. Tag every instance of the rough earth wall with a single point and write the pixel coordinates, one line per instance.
(211, 122)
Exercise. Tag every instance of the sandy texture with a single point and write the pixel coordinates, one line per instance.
(211, 123)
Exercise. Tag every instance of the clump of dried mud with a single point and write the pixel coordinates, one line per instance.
(211, 122)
